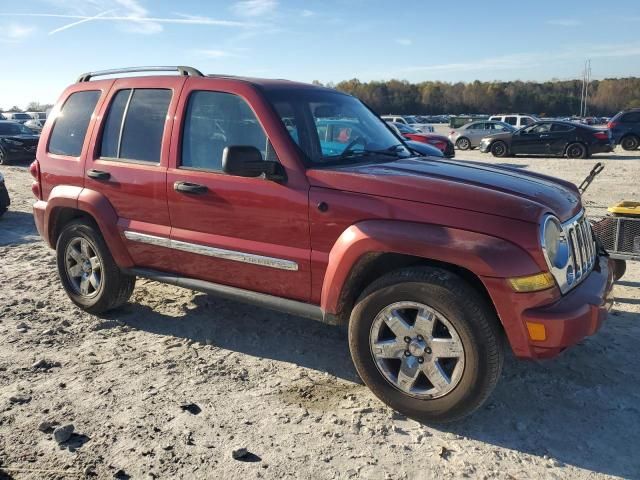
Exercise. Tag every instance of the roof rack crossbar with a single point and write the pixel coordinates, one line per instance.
(182, 70)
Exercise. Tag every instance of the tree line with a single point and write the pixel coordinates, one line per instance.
(552, 98)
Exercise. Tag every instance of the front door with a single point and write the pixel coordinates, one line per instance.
(127, 163)
(531, 140)
(250, 233)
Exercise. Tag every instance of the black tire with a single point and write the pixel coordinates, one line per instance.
(463, 143)
(630, 142)
(466, 310)
(3, 157)
(499, 149)
(619, 268)
(115, 287)
(576, 150)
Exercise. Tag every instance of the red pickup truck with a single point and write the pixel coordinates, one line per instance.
(227, 185)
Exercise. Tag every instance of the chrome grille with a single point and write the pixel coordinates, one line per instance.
(583, 257)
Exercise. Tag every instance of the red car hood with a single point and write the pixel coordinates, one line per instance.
(466, 185)
(424, 137)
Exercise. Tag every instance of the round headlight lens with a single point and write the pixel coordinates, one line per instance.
(555, 243)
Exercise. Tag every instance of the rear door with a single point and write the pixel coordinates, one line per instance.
(559, 137)
(250, 233)
(127, 162)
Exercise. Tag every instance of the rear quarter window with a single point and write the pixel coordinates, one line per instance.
(631, 117)
(71, 124)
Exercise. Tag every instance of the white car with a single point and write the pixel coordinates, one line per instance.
(517, 120)
(409, 120)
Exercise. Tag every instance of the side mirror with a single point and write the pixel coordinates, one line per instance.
(246, 161)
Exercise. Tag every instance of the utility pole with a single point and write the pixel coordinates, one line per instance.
(584, 95)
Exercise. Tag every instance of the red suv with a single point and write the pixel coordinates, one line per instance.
(227, 185)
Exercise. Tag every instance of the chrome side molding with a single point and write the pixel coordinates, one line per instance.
(222, 253)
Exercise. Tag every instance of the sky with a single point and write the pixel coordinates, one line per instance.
(47, 44)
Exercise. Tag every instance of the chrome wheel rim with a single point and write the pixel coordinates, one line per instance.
(83, 267)
(417, 350)
(463, 144)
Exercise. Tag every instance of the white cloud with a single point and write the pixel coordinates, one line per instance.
(404, 41)
(129, 15)
(564, 22)
(307, 13)
(528, 60)
(14, 32)
(254, 8)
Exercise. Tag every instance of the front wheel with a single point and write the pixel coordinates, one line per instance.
(499, 149)
(426, 343)
(3, 156)
(87, 270)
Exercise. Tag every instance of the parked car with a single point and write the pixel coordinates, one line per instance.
(625, 128)
(469, 135)
(5, 202)
(433, 265)
(572, 140)
(439, 141)
(517, 120)
(410, 121)
(17, 142)
(35, 125)
(38, 116)
(18, 117)
(424, 149)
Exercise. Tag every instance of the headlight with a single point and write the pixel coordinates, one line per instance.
(554, 243)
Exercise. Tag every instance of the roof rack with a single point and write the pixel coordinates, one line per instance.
(186, 71)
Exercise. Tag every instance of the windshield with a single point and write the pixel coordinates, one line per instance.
(333, 129)
(14, 129)
(22, 116)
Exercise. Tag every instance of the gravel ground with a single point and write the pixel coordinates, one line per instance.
(176, 383)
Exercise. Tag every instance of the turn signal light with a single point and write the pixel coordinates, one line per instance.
(537, 331)
(532, 283)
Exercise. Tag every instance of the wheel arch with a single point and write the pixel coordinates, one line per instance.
(370, 249)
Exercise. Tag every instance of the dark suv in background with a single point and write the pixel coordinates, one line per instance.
(625, 128)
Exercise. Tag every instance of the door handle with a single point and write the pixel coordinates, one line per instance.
(98, 174)
(187, 187)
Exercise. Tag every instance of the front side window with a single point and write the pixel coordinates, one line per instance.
(14, 129)
(526, 121)
(215, 120)
(134, 126)
(335, 129)
(71, 124)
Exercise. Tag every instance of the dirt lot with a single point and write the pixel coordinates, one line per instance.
(169, 385)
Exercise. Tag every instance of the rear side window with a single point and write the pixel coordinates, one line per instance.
(561, 127)
(135, 123)
(70, 128)
(215, 120)
(511, 120)
(632, 117)
(526, 121)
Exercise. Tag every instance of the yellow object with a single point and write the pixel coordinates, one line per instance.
(626, 208)
(532, 283)
(537, 331)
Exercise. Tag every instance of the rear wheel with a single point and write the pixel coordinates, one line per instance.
(87, 270)
(426, 343)
(499, 149)
(3, 156)
(630, 142)
(576, 150)
(619, 268)
(463, 143)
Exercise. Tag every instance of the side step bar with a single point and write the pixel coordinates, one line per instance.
(293, 307)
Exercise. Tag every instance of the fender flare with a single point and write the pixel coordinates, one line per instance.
(98, 207)
(481, 254)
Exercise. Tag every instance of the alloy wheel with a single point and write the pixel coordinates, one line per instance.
(83, 267)
(417, 350)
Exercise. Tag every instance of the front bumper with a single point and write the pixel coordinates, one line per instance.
(484, 147)
(567, 319)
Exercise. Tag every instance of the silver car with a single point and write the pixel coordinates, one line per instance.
(469, 135)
